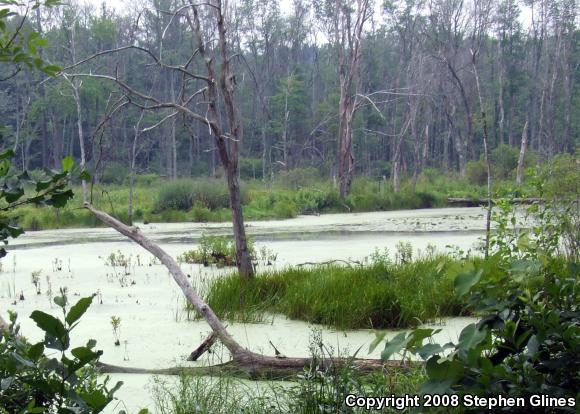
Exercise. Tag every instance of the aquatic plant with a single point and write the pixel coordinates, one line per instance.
(218, 250)
(116, 325)
(35, 276)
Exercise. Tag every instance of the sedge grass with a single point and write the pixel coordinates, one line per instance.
(380, 295)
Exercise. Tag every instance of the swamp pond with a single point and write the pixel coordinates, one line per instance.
(156, 331)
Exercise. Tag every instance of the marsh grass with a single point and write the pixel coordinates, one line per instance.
(290, 194)
(378, 295)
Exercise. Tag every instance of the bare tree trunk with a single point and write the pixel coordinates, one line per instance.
(264, 152)
(486, 156)
(348, 37)
(77, 98)
(523, 149)
(229, 157)
(397, 166)
(132, 162)
(501, 120)
(285, 131)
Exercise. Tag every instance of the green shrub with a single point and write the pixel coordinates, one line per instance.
(561, 176)
(175, 195)
(200, 213)
(146, 179)
(476, 172)
(313, 200)
(220, 250)
(504, 160)
(298, 177)
(250, 168)
(213, 193)
(284, 209)
(381, 168)
(114, 173)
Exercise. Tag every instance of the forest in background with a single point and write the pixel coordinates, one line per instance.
(415, 95)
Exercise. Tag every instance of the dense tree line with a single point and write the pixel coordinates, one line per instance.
(415, 83)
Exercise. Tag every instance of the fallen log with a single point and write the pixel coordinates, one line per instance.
(264, 369)
(474, 202)
(244, 361)
(330, 262)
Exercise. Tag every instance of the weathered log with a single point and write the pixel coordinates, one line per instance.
(330, 262)
(204, 347)
(264, 369)
(474, 202)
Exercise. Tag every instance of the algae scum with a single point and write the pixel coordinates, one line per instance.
(154, 328)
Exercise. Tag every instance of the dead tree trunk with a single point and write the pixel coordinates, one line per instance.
(348, 41)
(217, 93)
(132, 165)
(523, 150)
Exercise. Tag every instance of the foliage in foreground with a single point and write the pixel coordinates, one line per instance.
(528, 340)
(34, 382)
(50, 189)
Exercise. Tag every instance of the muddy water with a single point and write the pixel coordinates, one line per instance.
(156, 331)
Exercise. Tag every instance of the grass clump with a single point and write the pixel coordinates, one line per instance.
(218, 250)
(379, 295)
(184, 193)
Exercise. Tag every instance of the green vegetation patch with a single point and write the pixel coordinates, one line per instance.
(380, 295)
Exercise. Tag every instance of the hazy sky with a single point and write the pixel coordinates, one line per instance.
(285, 7)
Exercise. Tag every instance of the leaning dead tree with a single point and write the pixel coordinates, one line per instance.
(243, 361)
(206, 95)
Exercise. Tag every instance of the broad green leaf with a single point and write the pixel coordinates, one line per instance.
(36, 351)
(60, 301)
(48, 323)
(84, 354)
(60, 199)
(13, 194)
(85, 175)
(442, 369)
(7, 154)
(67, 163)
(395, 345)
(4, 167)
(14, 231)
(78, 310)
(471, 336)
(436, 387)
(428, 350)
(95, 399)
(466, 280)
(419, 335)
(379, 337)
